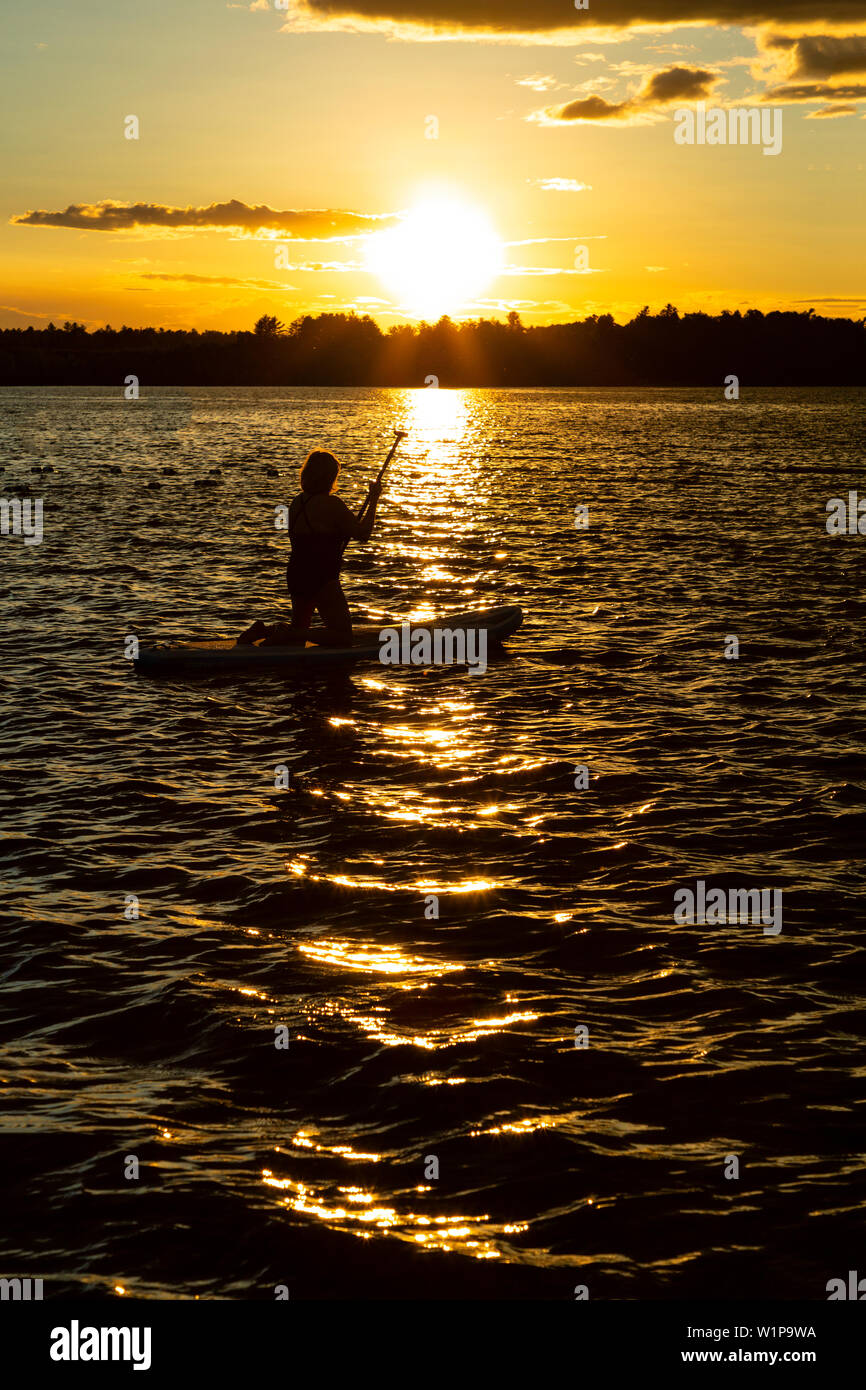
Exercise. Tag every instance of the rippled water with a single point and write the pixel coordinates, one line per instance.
(412, 1036)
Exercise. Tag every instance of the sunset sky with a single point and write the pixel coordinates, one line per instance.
(280, 148)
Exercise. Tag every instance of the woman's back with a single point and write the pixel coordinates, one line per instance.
(318, 541)
(317, 513)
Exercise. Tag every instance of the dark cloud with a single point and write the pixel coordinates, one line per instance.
(534, 16)
(819, 55)
(831, 111)
(676, 84)
(590, 109)
(659, 90)
(108, 216)
(815, 91)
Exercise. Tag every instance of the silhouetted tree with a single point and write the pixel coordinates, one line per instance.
(269, 326)
(665, 349)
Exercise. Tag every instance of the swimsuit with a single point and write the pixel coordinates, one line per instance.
(315, 561)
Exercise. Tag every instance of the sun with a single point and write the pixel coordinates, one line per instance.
(442, 254)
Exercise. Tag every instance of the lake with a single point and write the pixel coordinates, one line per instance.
(551, 1085)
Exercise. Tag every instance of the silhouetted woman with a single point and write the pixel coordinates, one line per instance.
(320, 527)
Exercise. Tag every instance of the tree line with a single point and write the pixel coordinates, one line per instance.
(665, 349)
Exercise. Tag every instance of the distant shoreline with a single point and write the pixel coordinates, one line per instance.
(665, 349)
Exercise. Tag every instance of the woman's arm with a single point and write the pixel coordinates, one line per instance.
(368, 521)
(348, 523)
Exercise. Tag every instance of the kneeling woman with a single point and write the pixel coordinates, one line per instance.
(320, 527)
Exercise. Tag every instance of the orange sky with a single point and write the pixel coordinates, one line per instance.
(275, 144)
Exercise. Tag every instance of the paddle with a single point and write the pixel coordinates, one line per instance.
(400, 434)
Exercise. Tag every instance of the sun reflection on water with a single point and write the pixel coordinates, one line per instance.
(357, 1209)
(438, 486)
(387, 960)
(429, 885)
(437, 490)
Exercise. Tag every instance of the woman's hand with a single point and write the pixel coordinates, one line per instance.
(374, 492)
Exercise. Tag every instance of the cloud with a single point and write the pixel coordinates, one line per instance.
(815, 91)
(677, 84)
(561, 185)
(817, 55)
(331, 267)
(592, 108)
(30, 314)
(539, 82)
(506, 18)
(549, 270)
(219, 280)
(109, 216)
(543, 240)
(840, 109)
(659, 90)
(528, 306)
(672, 47)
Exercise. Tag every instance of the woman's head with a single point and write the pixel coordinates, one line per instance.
(319, 473)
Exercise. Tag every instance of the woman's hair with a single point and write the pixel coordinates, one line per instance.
(320, 471)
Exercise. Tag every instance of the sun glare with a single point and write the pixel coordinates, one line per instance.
(442, 254)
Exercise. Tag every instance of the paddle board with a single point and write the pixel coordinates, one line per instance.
(224, 655)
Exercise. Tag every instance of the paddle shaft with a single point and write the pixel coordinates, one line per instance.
(401, 434)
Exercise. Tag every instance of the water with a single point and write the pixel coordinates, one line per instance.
(412, 1036)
